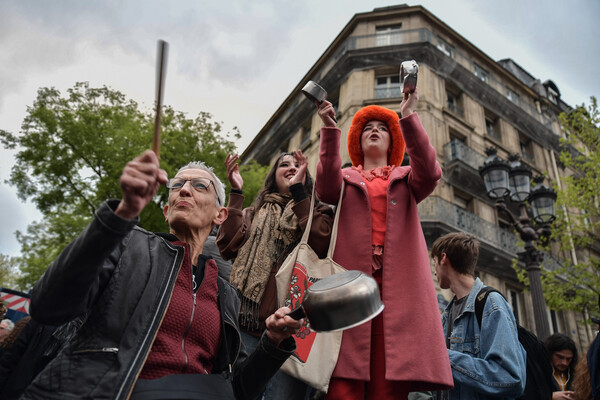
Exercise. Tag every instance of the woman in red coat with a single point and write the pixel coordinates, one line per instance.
(403, 349)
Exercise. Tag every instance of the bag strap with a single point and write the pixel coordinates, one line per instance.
(480, 301)
(336, 220)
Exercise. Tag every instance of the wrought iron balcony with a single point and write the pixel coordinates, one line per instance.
(457, 150)
(437, 210)
(388, 92)
(461, 167)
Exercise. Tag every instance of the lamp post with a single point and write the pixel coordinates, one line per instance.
(512, 180)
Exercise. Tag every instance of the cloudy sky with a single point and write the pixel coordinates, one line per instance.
(239, 59)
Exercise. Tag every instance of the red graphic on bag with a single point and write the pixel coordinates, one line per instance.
(298, 285)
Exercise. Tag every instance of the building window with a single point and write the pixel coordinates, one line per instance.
(387, 86)
(305, 137)
(492, 125)
(480, 73)
(444, 47)
(463, 201)
(513, 300)
(552, 95)
(453, 102)
(526, 146)
(387, 35)
(512, 96)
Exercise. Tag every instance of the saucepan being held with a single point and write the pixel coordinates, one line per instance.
(315, 93)
(340, 301)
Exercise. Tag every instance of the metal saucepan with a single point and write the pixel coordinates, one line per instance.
(315, 93)
(340, 301)
(408, 76)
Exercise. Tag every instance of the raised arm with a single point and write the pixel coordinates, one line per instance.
(328, 181)
(69, 286)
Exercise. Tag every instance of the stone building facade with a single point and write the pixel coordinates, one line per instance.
(468, 102)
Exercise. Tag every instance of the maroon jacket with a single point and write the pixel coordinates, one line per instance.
(415, 348)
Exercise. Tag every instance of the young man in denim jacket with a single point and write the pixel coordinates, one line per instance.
(487, 361)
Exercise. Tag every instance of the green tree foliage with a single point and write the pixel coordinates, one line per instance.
(9, 271)
(254, 176)
(72, 150)
(577, 227)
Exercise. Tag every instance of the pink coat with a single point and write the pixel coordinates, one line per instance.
(415, 348)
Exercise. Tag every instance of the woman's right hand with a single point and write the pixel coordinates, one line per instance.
(327, 112)
(233, 172)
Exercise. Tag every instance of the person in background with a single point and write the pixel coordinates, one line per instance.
(159, 321)
(6, 326)
(13, 334)
(488, 361)
(260, 238)
(563, 355)
(401, 350)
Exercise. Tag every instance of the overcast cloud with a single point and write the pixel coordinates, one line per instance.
(239, 60)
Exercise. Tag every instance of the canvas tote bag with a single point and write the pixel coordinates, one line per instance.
(316, 353)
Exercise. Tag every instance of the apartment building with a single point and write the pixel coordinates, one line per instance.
(468, 103)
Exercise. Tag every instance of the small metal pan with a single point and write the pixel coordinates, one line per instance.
(340, 301)
(315, 93)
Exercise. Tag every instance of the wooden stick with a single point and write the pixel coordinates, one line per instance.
(161, 69)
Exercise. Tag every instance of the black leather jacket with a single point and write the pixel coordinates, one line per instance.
(123, 276)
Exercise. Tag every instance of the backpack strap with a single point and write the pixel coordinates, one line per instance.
(480, 301)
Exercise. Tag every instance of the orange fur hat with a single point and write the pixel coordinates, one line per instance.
(390, 118)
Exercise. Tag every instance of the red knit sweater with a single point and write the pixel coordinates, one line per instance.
(188, 338)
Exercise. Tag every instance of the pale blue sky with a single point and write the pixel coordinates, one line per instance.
(239, 60)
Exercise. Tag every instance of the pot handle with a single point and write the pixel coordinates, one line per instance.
(297, 313)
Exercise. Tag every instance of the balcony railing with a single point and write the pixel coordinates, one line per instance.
(457, 150)
(437, 209)
(387, 92)
(425, 35)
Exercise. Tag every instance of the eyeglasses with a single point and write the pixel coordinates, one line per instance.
(200, 184)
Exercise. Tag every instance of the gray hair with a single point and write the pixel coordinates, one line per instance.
(9, 324)
(219, 187)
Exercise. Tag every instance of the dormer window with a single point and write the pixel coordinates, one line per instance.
(552, 95)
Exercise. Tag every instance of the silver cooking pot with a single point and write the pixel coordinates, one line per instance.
(315, 93)
(340, 301)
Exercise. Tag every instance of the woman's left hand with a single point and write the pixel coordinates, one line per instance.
(302, 165)
(281, 326)
(409, 103)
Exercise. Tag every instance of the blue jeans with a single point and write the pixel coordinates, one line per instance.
(281, 386)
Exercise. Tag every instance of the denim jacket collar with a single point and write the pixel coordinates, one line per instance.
(470, 304)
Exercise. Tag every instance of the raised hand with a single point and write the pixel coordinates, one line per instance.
(409, 103)
(233, 172)
(139, 182)
(326, 112)
(281, 326)
(301, 171)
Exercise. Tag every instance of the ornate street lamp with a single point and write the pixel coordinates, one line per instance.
(512, 180)
(519, 179)
(495, 173)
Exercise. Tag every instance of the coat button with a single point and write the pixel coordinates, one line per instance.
(394, 202)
